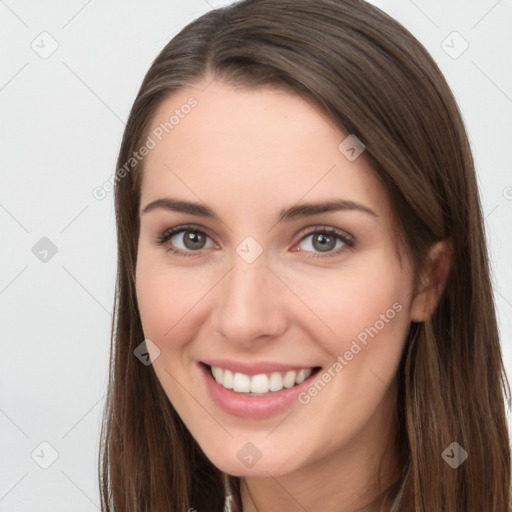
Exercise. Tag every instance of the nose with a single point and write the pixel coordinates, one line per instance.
(251, 304)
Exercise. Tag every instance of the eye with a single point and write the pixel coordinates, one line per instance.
(326, 241)
(184, 240)
(322, 242)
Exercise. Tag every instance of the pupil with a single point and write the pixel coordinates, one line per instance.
(326, 242)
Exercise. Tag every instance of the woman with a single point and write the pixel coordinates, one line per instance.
(304, 317)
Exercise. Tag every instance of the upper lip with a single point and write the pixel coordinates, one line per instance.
(255, 368)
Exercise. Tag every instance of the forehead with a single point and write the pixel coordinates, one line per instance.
(213, 137)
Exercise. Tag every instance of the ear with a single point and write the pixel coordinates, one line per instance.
(432, 281)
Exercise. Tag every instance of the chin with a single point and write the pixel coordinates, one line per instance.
(273, 464)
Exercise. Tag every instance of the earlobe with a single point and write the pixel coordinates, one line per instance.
(432, 281)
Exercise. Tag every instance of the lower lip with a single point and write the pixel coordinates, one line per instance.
(249, 407)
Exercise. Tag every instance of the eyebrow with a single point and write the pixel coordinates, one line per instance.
(294, 212)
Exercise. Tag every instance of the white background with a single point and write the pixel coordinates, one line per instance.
(61, 125)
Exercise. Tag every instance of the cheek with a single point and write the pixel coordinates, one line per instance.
(362, 304)
(164, 298)
(154, 295)
(161, 294)
(367, 308)
(171, 302)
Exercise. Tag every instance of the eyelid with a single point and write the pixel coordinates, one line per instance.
(319, 228)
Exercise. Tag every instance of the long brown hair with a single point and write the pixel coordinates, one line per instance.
(374, 80)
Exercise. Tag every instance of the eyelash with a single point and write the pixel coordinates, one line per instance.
(348, 241)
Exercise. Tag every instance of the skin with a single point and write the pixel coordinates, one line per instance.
(248, 154)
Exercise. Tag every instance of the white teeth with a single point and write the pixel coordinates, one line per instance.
(227, 381)
(217, 374)
(276, 381)
(301, 376)
(289, 379)
(241, 383)
(261, 383)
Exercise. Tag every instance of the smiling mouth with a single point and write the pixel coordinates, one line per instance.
(263, 384)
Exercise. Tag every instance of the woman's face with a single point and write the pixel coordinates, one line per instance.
(252, 288)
